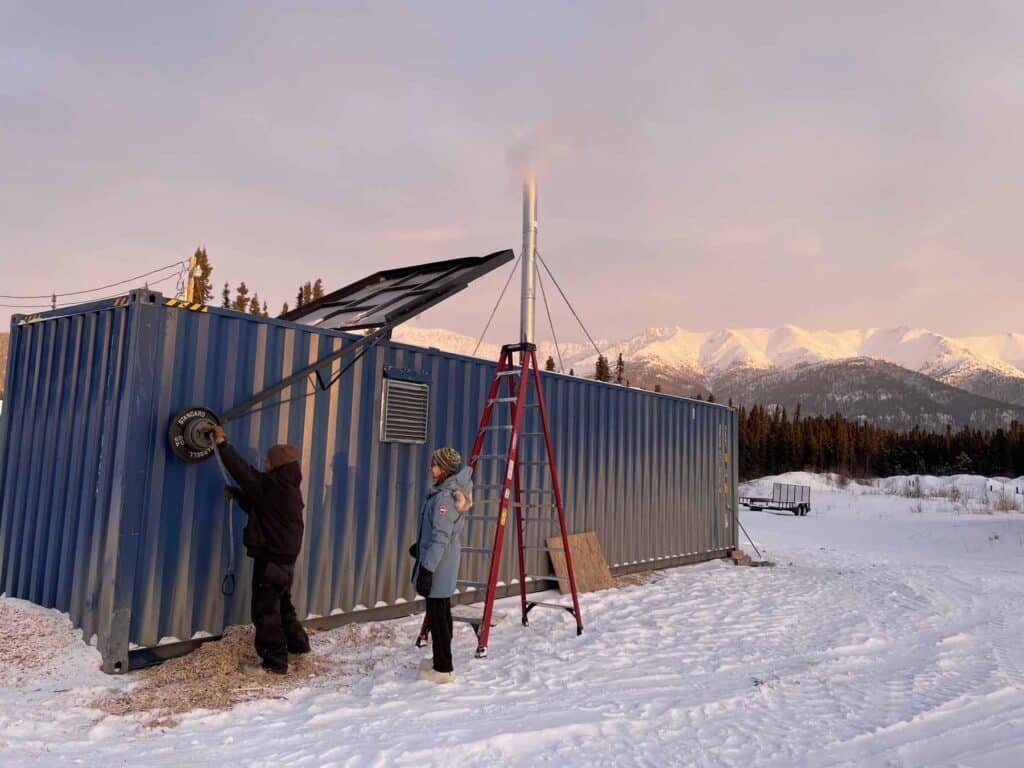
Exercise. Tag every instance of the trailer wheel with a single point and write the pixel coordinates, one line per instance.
(186, 433)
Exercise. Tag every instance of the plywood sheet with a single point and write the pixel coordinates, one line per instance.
(589, 566)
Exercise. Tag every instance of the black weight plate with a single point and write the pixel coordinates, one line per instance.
(184, 437)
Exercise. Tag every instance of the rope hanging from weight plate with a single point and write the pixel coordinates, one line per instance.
(227, 584)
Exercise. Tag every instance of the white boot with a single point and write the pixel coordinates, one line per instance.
(433, 676)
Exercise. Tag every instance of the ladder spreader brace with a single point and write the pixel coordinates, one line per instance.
(517, 378)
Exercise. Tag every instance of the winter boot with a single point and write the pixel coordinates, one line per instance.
(431, 675)
(261, 670)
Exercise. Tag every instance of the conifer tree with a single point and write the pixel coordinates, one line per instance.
(549, 365)
(572, 371)
(620, 370)
(226, 296)
(318, 289)
(203, 288)
(657, 388)
(602, 372)
(241, 303)
(284, 310)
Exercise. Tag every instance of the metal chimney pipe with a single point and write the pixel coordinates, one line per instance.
(529, 259)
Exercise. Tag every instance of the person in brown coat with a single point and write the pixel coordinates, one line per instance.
(272, 501)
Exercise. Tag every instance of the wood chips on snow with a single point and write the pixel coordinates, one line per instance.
(32, 639)
(210, 677)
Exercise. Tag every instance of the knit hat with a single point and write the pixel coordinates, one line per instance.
(447, 459)
(282, 454)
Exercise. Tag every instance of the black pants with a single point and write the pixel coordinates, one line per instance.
(277, 628)
(439, 618)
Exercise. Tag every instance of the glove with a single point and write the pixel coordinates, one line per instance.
(424, 581)
(414, 551)
(216, 433)
(231, 493)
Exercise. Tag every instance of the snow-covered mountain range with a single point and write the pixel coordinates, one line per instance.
(762, 363)
(712, 354)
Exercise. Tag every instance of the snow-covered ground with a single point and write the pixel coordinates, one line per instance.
(890, 633)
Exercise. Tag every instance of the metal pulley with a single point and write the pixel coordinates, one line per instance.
(189, 433)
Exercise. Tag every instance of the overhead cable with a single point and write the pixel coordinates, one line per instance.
(178, 264)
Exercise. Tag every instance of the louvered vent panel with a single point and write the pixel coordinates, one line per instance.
(404, 414)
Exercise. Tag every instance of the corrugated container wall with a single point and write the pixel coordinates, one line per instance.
(99, 519)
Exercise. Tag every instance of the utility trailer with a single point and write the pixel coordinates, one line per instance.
(785, 496)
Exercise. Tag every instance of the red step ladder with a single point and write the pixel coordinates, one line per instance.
(517, 378)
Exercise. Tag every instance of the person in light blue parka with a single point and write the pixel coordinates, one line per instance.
(438, 551)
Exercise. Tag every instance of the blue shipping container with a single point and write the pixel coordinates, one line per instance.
(99, 519)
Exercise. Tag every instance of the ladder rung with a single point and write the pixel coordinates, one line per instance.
(477, 619)
(520, 505)
(531, 434)
(538, 519)
(509, 372)
(496, 427)
(477, 550)
(559, 606)
(535, 491)
(487, 487)
(473, 584)
(502, 400)
(533, 463)
(483, 517)
(492, 456)
(547, 578)
(541, 548)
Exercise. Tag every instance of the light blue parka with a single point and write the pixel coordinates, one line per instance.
(441, 521)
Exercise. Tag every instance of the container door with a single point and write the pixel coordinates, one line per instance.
(723, 485)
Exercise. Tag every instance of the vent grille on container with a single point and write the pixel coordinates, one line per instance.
(404, 412)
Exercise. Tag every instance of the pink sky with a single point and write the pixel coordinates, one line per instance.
(739, 165)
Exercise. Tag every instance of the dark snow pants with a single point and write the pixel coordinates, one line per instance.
(439, 618)
(278, 630)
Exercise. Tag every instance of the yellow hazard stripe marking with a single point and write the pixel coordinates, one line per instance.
(185, 305)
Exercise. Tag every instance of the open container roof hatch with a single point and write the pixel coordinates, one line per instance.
(375, 305)
(393, 296)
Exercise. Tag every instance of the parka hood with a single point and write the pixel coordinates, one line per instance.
(290, 473)
(460, 485)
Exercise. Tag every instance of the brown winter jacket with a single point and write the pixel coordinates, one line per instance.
(273, 503)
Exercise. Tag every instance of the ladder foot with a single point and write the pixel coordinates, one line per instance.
(579, 631)
(481, 651)
(526, 622)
